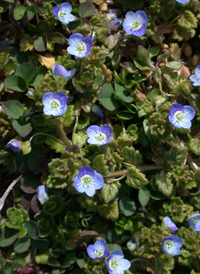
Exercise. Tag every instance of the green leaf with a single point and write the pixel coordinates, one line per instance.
(23, 128)
(106, 97)
(187, 20)
(38, 76)
(53, 206)
(32, 229)
(131, 155)
(30, 12)
(19, 12)
(9, 67)
(135, 178)
(30, 182)
(13, 109)
(79, 139)
(28, 72)
(80, 262)
(40, 244)
(174, 65)
(22, 244)
(53, 262)
(43, 27)
(55, 145)
(144, 196)
(154, 51)
(109, 191)
(99, 164)
(86, 9)
(16, 83)
(18, 262)
(125, 115)
(8, 236)
(109, 211)
(127, 206)
(194, 145)
(37, 161)
(120, 93)
(40, 43)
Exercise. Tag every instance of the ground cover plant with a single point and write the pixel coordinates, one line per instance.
(99, 118)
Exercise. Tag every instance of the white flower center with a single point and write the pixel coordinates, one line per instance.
(86, 180)
(136, 24)
(100, 136)
(54, 104)
(62, 14)
(179, 115)
(81, 46)
(113, 264)
(99, 252)
(168, 244)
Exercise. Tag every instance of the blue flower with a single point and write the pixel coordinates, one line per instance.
(98, 250)
(196, 77)
(79, 45)
(14, 145)
(194, 221)
(171, 245)
(170, 223)
(99, 135)
(88, 180)
(42, 194)
(116, 263)
(182, 1)
(135, 23)
(181, 116)
(54, 103)
(60, 71)
(63, 13)
(131, 245)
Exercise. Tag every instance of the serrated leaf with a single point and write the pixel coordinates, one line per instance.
(109, 191)
(194, 145)
(135, 178)
(131, 155)
(99, 164)
(187, 20)
(13, 109)
(55, 145)
(79, 139)
(109, 211)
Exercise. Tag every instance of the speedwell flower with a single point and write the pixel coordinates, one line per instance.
(42, 194)
(79, 45)
(14, 145)
(170, 223)
(99, 135)
(131, 245)
(181, 116)
(54, 103)
(194, 221)
(135, 23)
(182, 1)
(98, 250)
(88, 180)
(171, 245)
(116, 263)
(60, 71)
(196, 77)
(63, 13)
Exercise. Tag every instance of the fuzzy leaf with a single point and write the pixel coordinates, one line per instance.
(59, 148)
(163, 182)
(131, 155)
(194, 145)
(99, 164)
(109, 191)
(109, 211)
(135, 178)
(187, 20)
(79, 139)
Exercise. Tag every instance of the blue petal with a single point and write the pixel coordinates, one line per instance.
(59, 71)
(90, 250)
(86, 170)
(90, 190)
(106, 130)
(125, 264)
(189, 112)
(140, 31)
(182, 1)
(174, 108)
(141, 16)
(197, 72)
(130, 16)
(78, 185)
(62, 97)
(186, 124)
(98, 181)
(47, 97)
(66, 7)
(74, 39)
(101, 244)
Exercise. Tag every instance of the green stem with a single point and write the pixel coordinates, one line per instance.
(64, 137)
(46, 134)
(124, 172)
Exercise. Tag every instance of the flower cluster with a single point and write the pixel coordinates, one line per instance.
(180, 116)
(115, 262)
